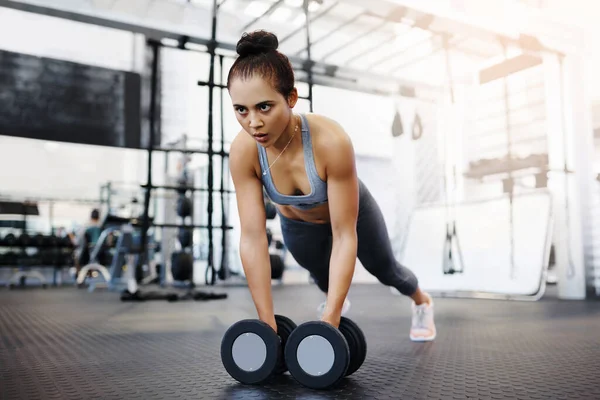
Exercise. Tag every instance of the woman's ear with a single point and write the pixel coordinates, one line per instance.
(293, 98)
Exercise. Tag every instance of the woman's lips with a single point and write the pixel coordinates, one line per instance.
(261, 137)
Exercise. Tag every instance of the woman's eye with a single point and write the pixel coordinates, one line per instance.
(241, 110)
(265, 107)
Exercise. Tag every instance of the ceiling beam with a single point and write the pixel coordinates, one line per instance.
(324, 70)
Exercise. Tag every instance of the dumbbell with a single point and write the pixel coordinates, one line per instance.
(252, 352)
(318, 355)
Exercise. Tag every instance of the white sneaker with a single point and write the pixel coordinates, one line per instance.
(345, 308)
(423, 327)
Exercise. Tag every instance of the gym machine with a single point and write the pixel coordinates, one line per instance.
(109, 255)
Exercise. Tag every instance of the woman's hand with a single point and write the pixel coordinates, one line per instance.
(271, 322)
(332, 318)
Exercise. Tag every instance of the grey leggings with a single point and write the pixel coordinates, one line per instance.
(310, 245)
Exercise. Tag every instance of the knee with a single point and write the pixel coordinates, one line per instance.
(388, 277)
(395, 274)
(384, 267)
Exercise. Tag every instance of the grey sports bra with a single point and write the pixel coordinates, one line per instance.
(318, 194)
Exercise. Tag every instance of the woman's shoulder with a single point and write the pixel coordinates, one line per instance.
(242, 143)
(243, 151)
(326, 132)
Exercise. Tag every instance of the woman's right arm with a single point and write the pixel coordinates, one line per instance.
(254, 248)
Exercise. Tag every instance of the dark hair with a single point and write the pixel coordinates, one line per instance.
(95, 214)
(258, 55)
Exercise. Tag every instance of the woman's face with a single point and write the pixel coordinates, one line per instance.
(261, 110)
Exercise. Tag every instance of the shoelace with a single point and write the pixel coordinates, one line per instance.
(420, 320)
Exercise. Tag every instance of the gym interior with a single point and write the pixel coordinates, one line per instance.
(475, 125)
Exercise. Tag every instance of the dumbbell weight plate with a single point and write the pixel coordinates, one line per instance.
(250, 351)
(356, 343)
(50, 241)
(10, 240)
(277, 266)
(38, 240)
(317, 355)
(363, 345)
(285, 327)
(24, 240)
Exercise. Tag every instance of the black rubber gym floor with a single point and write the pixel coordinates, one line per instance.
(70, 344)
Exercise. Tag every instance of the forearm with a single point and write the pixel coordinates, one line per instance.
(341, 271)
(254, 253)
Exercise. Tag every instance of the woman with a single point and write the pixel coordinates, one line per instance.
(306, 165)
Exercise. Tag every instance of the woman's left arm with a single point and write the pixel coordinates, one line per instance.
(342, 192)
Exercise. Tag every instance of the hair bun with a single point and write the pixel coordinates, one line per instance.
(256, 42)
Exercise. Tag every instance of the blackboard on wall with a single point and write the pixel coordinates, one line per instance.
(49, 99)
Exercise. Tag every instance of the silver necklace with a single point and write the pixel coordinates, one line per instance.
(286, 146)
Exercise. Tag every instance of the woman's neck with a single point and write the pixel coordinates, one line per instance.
(288, 135)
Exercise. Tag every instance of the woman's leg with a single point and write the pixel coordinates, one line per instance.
(375, 250)
(376, 255)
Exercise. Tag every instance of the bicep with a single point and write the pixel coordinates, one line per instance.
(251, 207)
(342, 186)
